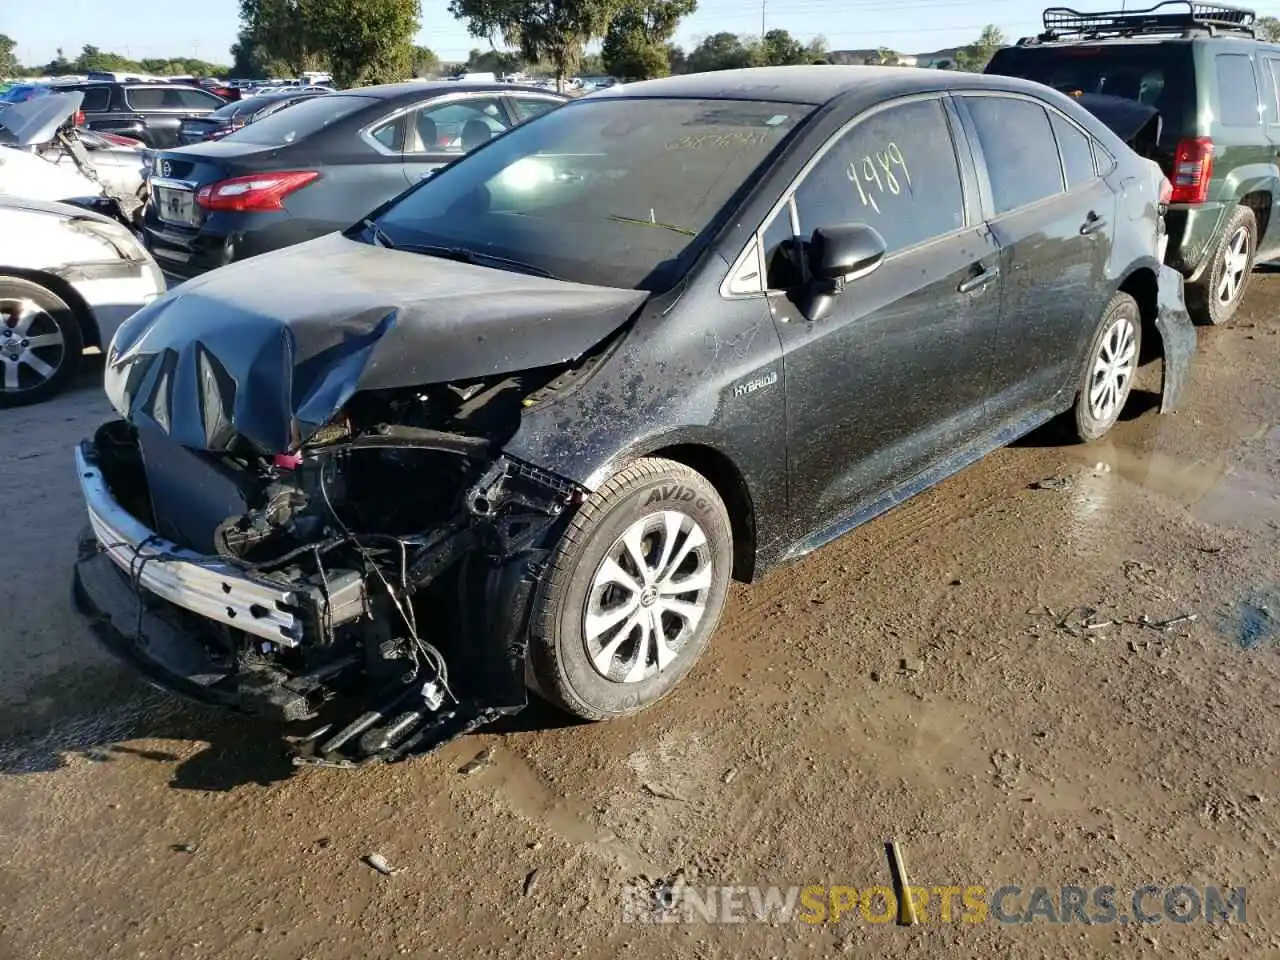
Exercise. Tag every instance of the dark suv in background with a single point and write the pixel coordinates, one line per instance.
(1213, 90)
(150, 112)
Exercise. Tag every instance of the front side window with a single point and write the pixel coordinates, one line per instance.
(1018, 145)
(895, 171)
(619, 192)
(1237, 90)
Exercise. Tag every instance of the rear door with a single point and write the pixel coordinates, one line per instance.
(1267, 65)
(525, 106)
(163, 107)
(439, 131)
(1053, 217)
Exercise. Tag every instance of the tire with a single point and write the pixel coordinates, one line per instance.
(30, 373)
(1218, 297)
(645, 501)
(1109, 368)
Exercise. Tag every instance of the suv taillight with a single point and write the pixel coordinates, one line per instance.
(77, 119)
(259, 192)
(1192, 169)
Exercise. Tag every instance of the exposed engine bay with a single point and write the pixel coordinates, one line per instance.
(384, 569)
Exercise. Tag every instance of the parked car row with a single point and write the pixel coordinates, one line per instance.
(523, 421)
(1206, 93)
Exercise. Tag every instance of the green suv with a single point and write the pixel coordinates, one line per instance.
(1212, 91)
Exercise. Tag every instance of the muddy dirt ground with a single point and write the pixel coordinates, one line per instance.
(1021, 743)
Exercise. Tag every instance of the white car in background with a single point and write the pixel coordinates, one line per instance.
(68, 279)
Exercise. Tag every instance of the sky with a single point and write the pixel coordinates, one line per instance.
(207, 28)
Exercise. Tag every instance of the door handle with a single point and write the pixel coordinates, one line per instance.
(979, 280)
(1092, 224)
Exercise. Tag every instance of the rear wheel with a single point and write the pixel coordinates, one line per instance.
(40, 343)
(1217, 298)
(633, 591)
(1109, 368)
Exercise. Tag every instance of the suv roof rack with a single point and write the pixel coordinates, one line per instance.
(1176, 17)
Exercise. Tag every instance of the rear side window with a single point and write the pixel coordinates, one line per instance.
(1018, 144)
(895, 171)
(1237, 91)
(302, 119)
(1076, 148)
(527, 108)
(1162, 76)
(96, 100)
(1273, 68)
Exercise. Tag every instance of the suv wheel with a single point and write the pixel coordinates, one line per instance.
(633, 591)
(1218, 297)
(40, 343)
(1109, 368)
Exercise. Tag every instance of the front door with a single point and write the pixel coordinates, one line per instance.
(893, 380)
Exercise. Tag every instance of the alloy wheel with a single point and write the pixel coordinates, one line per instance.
(647, 596)
(1113, 368)
(32, 347)
(1235, 266)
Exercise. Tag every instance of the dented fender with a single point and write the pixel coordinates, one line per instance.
(1177, 337)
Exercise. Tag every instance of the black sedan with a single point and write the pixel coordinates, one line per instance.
(528, 420)
(317, 166)
(241, 113)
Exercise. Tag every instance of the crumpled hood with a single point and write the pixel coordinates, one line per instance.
(272, 347)
(36, 120)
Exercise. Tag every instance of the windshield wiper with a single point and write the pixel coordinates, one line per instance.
(618, 218)
(379, 235)
(475, 258)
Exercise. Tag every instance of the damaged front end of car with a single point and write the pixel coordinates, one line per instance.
(382, 565)
(279, 525)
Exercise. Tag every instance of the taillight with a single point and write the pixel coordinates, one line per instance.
(1192, 169)
(261, 191)
(77, 119)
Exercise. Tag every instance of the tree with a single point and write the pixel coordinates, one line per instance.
(886, 57)
(721, 51)
(544, 31)
(779, 49)
(635, 45)
(500, 62)
(425, 62)
(975, 57)
(9, 66)
(1268, 28)
(677, 59)
(365, 41)
(278, 28)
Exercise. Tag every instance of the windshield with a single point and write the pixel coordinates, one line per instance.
(300, 120)
(1160, 77)
(618, 192)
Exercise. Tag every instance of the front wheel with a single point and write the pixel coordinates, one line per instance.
(633, 591)
(40, 343)
(1109, 368)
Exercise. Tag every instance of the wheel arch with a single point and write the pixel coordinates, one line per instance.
(68, 294)
(722, 473)
(1141, 284)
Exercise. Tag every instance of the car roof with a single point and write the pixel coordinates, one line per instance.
(416, 88)
(815, 85)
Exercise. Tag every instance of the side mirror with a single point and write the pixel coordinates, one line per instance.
(837, 255)
(845, 252)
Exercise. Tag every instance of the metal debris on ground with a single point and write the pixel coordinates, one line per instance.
(660, 792)
(1052, 483)
(902, 887)
(911, 665)
(477, 763)
(185, 847)
(729, 775)
(530, 881)
(379, 863)
(1169, 624)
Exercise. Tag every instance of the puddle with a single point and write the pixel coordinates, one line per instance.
(1256, 621)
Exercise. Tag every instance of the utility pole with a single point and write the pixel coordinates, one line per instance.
(762, 3)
